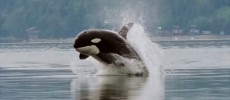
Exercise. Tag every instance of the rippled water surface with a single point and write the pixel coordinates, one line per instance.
(41, 71)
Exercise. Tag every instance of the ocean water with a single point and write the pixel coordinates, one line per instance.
(195, 70)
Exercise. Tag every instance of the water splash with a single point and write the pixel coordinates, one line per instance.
(149, 52)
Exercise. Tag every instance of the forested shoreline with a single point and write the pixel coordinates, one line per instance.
(64, 18)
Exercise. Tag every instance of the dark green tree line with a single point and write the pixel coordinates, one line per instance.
(64, 18)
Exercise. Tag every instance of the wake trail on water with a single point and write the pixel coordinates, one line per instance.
(149, 52)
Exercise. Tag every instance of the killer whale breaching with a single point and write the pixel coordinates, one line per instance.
(111, 49)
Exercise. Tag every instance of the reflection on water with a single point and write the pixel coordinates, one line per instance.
(117, 88)
(107, 87)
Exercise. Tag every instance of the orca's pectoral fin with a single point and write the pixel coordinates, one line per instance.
(124, 30)
(82, 56)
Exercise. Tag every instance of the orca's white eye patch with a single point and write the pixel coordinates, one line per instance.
(96, 40)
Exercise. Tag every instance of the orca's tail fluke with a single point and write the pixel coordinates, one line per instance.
(124, 30)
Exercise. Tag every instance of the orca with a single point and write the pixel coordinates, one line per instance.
(108, 47)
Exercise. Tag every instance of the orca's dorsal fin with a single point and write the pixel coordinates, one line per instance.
(82, 56)
(124, 30)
